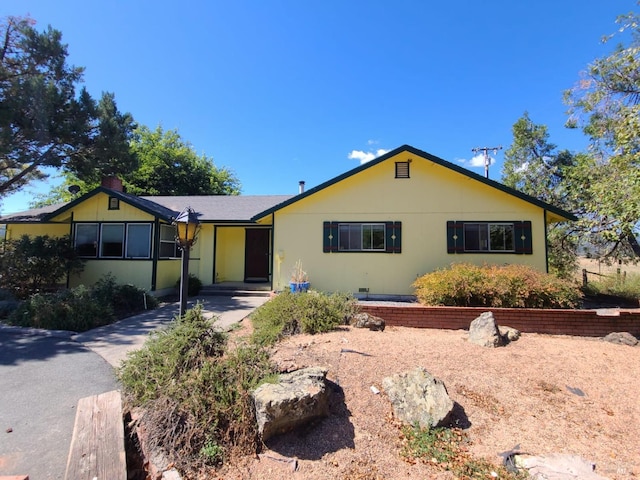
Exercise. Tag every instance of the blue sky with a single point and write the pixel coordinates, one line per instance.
(287, 90)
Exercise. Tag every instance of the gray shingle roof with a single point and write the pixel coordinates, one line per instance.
(221, 208)
(210, 208)
(33, 215)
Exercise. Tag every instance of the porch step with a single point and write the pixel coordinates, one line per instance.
(236, 289)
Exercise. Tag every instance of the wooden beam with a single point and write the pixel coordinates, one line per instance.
(97, 446)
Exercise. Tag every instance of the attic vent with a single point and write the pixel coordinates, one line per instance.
(402, 169)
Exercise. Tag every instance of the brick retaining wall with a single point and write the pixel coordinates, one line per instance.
(587, 323)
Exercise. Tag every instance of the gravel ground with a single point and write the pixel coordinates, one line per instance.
(547, 394)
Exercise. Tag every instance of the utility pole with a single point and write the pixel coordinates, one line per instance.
(486, 151)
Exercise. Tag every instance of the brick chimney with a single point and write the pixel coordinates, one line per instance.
(113, 183)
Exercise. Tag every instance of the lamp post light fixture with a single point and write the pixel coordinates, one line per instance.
(187, 228)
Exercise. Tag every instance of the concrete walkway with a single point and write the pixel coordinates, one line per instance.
(113, 342)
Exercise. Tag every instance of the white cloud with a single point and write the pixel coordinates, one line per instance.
(365, 157)
(476, 162)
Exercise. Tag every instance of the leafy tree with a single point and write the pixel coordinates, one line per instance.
(43, 123)
(606, 105)
(168, 165)
(534, 166)
(32, 264)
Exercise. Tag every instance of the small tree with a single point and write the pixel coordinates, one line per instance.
(33, 264)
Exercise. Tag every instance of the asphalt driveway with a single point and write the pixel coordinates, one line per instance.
(43, 375)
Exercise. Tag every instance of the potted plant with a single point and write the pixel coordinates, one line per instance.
(299, 279)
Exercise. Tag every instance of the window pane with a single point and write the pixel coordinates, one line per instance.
(501, 237)
(168, 250)
(367, 237)
(355, 237)
(378, 237)
(349, 236)
(87, 239)
(138, 241)
(111, 241)
(168, 233)
(472, 236)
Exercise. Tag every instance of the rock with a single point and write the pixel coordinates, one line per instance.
(508, 334)
(365, 320)
(621, 338)
(483, 331)
(298, 398)
(557, 467)
(419, 397)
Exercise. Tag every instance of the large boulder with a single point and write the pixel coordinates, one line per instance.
(419, 397)
(621, 338)
(366, 320)
(483, 331)
(298, 398)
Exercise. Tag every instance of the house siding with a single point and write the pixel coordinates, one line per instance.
(423, 203)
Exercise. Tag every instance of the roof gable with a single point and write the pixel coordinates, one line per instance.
(564, 215)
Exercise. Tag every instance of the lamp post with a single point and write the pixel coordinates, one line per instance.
(187, 227)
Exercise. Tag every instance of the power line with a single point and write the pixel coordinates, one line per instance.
(486, 151)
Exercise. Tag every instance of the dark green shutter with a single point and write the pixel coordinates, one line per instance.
(330, 237)
(522, 237)
(393, 234)
(455, 239)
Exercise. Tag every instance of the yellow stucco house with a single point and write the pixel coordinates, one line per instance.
(370, 231)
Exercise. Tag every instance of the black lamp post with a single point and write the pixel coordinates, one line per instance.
(187, 227)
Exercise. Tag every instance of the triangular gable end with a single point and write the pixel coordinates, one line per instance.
(144, 205)
(554, 214)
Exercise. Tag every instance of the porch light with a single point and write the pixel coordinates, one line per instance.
(187, 228)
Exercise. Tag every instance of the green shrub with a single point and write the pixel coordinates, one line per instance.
(193, 287)
(519, 286)
(36, 264)
(195, 391)
(306, 312)
(81, 308)
(125, 299)
(74, 310)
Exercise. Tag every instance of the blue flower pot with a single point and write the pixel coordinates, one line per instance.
(297, 287)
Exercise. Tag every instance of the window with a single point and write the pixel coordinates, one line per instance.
(138, 240)
(112, 240)
(488, 237)
(402, 169)
(87, 239)
(108, 240)
(493, 237)
(362, 237)
(114, 203)
(168, 245)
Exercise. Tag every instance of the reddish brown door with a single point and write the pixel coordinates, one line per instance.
(256, 255)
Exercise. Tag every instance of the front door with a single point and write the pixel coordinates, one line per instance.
(256, 255)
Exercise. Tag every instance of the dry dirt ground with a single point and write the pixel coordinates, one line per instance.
(547, 394)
